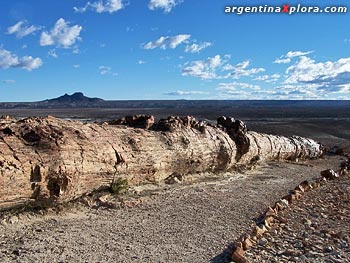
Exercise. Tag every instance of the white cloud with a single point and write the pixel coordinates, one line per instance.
(268, 78)
(234, 86)
(184, 93)
(106, 70)
(282, 61)
(165, 42)
(52, 53)
(21, 29)
(102, 6)
(293, 92)
(196, 48)
(263, 94)
(62, 35)
(241, 70)
(204, 69)
(9, 60)
(29, 63)
(293, 54)
(233, 93)
(212, 67)
(8, 81)
(76, 66)
(287, 58)
(141, 62)
(324, 76)
(76, 51)
(167, 5)
(304, 79)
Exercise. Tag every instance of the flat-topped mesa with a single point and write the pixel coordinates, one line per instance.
(44, 161)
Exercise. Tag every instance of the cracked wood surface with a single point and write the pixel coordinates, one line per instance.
(44, 161)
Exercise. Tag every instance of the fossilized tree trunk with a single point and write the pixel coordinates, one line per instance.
(47, 160)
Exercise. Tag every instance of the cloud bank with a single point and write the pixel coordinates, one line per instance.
(106, 6)
(9, 60)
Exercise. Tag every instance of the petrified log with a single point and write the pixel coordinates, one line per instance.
(47, 160)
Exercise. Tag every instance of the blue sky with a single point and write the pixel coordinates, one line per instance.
(171, 49)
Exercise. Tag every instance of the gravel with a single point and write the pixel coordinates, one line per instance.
(180, 223)
(317, 228)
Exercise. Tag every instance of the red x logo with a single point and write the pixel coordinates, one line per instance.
(285, 9)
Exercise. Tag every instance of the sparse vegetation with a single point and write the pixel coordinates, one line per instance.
(118, 186)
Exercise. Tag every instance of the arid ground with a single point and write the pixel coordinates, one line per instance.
(190, 222)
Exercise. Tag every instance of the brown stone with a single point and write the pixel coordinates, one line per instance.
(247, 243)
(270, 212)
(238, 256)
(303, 187)
(278, 206)
(258, 231)
(289, 198)
(268, 220)
(315, 185)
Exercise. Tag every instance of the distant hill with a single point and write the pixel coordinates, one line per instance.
(77, 99)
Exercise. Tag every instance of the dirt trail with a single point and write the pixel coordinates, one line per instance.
(184, 223)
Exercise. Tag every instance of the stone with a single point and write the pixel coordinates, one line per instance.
(258, 231)
(248, 243)
(5, 117)
(291, 253)
(270, 212)
(303, 187)
(343, 171)
(329, 174)
(328, 249)
(238, 256)
(139, 121)
(307, 222)
(262, 242)
(315, 185)
(13, 219)
(221, 121)
(268, 220)
(174, 178)
(284, 203)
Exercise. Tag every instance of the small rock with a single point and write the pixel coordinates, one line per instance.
(16, 252)
(262, 242)
(13, 220)
(329, 174)
(298, 244)
(307, 222)
(327, 249)
(238, 256)
(247, 243)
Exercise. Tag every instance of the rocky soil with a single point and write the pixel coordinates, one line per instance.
(315, 228)
(185, 222)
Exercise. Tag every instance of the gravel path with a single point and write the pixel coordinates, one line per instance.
(182, 223)
(315, 228)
